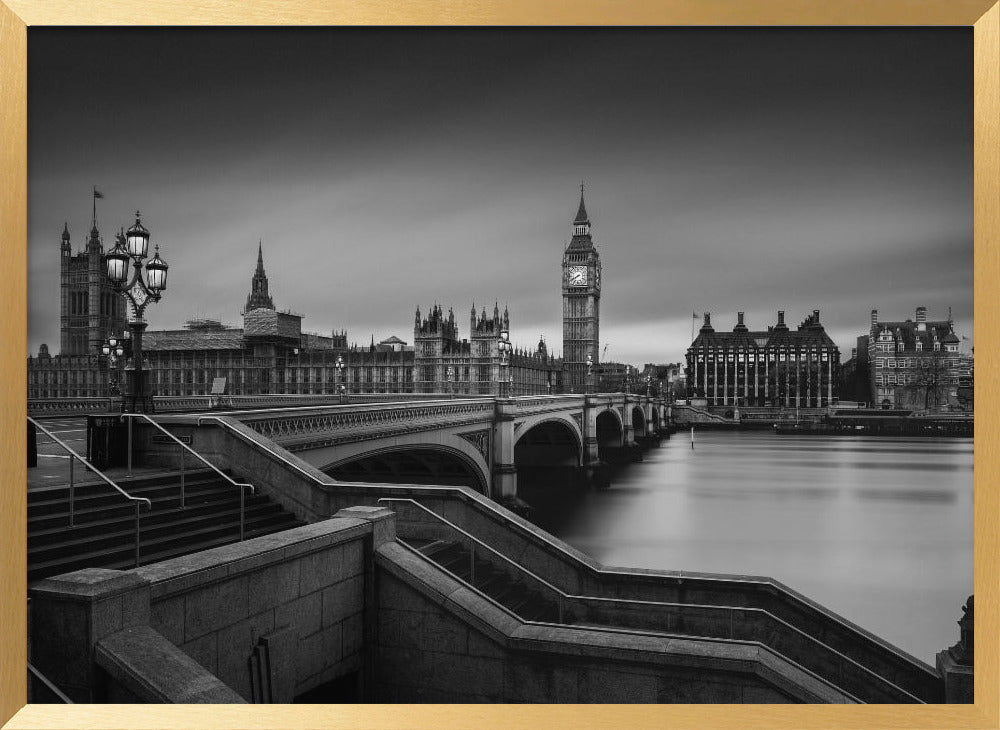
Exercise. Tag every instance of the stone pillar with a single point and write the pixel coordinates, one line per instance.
(504, 487)
(956, 664)
(628, 440)
(71, 613)
(595, 471)
(383, 522)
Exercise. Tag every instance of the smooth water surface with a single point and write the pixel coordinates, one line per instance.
(878, 530)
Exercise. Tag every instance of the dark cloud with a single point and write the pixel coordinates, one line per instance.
(726, 170)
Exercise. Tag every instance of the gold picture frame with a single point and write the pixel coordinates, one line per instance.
(15, 15)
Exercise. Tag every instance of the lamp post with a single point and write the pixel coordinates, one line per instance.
(113, 350)
(139, 290)
(339, 364)
(590, 372)
(451, 381)
(505, 349)
(628, 378)
(649, 382)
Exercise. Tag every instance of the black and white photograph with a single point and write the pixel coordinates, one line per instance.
(500, 365)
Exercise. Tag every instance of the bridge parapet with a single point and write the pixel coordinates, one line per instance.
(311, 426)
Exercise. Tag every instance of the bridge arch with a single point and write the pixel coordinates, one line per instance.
(654, 418)
(425, 463)
(609, 429)
(638, 421)
(548, 441)
(451, 460)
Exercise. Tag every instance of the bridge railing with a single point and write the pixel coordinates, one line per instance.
(184, 448)
(732, 623)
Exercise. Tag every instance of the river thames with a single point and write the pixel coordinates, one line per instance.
(878, 530)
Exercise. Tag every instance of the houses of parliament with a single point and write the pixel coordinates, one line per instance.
(271, 354)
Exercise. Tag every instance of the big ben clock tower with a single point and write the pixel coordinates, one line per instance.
(581, 290)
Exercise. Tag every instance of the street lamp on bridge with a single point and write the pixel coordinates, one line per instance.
(505, 349)
(451, 381)
(113, 350)
(590, 373)
(339, 364)
(139, 290)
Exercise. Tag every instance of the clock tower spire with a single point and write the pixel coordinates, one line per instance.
(581, 293)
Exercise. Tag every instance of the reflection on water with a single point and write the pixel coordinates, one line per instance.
(879, 530)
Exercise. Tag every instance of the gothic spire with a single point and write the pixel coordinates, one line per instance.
(259, 298)
(581, 213)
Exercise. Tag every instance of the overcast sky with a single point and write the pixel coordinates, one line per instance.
(725, 170)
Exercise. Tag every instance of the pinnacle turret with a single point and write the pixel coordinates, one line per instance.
(259, 298)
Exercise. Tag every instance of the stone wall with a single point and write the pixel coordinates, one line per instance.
(217, 605)
(289, 607)
(438, 642)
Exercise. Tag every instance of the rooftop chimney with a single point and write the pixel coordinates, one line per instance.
(874, 317)
(781, 316)
(816, 316)
(921, 319)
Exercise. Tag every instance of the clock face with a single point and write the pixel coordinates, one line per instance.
(576, 276)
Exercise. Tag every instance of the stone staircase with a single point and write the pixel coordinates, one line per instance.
(885, 684)
(103, 535)
(484, 575)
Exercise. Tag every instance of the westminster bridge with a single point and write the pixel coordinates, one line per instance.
(479, 442)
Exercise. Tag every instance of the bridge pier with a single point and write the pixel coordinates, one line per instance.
(504, 471)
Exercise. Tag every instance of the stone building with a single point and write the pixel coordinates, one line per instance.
(270, 354)
(445, 364)
(917, 364)
(581, 297)
(89, 307)
(777, 367)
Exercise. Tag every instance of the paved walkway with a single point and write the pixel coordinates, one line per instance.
(53, 461)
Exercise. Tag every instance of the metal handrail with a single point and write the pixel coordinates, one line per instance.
(495, 510)
(98, 472)
(564, 596)
(634, 632)
(202, 459)
(48, 684)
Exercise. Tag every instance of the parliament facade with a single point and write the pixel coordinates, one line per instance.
(776, 367)
(271, 354)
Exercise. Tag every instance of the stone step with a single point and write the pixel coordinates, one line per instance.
(172, 545)
(178, 524)
(113, 524)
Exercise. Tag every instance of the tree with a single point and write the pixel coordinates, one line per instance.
(928, 381)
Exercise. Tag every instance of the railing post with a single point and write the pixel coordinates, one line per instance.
(242, 500)
(72, 490)
(472, 564)
(137, 533)
(182, 475)
(129, 472)
(562, 608)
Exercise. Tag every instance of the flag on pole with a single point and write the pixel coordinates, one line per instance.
(97, 194)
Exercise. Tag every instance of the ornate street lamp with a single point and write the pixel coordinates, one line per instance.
(505, 349)
(114, 351)
(139, 291)
(649, 382)
(590, 373)
(451, 381)
(339, 364)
